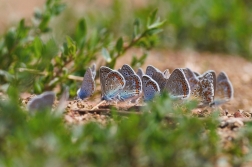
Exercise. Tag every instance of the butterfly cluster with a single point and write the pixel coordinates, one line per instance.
(125, 84)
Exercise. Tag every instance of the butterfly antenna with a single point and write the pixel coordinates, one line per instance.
(97, 106)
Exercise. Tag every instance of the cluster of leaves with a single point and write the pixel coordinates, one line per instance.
(166, 135)
(34, 61)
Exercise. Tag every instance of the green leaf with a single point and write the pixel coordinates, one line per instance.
(152, 17)
(6, 75)
(49, 51)
(43, 26)
(37, 87)
(71, 46)
(119, 45)
(154, 31)
(58, 8)
(80, 33)
(136, 28)
(106, 55)
(37, 43)
(156, 24)
(81, 29)
(10, 39)
(22, 30)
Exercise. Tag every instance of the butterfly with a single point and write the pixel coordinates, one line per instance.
(177, 85)
(206, 87)
(224, 90)
(112, 83)
(41, 102)
(202, 86)
(157, 75)
(150, 88)
(133, 84)
(87, 86)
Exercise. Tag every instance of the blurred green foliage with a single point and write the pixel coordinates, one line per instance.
(219, 26)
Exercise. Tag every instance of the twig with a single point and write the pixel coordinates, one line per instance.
(32, 71)
(73, 77)
(108, 111)
(98, 105)
(98, 111)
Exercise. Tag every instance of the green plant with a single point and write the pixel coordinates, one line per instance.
(34, 61)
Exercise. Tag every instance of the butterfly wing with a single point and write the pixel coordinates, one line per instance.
(113, 84)
(224, 89)
(150, 70)
(177, 85)
(150, 88)
(205, 88)
(140, 73)
(126, 70)
(191, 78)
(157, 75)
(41, 102)
(34, 104)
(160, 79)
(222, 76)
(87, 86)
(132, 88)
(103, 75)
(133, 84)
